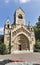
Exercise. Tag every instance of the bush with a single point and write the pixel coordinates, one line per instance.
(3, 49)
(37, 46)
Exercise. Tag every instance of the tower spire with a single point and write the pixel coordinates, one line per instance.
(29, 24)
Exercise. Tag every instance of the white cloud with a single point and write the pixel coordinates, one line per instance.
(24, 1)
(1, 29)
(18, 1)
(6, 1)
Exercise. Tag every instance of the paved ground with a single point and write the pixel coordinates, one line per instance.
(29, 57)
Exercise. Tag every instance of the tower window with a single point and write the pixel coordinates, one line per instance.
(31, 29)
(8, 25)
(20, 16)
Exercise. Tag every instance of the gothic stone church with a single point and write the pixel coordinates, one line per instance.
(20, 36)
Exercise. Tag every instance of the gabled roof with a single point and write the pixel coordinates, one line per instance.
(17, 9)
(20, 9)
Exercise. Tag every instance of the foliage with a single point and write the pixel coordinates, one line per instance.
(37, 36)
(37, 29)
(2, 48)
(37, 32)
(38, 23)
(37, 46)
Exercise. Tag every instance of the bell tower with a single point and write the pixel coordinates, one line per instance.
(19, 17)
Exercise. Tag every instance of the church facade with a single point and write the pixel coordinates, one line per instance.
(20, 36)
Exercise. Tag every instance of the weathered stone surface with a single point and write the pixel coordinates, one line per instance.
(18, 34)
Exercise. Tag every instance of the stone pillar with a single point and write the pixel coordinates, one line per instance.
(31, 47)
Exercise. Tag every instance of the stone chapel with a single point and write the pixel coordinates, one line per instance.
(20, 36)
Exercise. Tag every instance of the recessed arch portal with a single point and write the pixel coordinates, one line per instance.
(22, 42)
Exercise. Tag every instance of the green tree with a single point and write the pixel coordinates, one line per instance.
(37, 36)
(2, 48)
(38, 23)
(37, 46)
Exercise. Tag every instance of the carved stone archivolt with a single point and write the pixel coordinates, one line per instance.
(20, 30)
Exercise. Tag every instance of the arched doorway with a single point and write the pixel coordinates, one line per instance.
(22, 42)
(20, 48)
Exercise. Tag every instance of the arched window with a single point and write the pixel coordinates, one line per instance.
(20, 16)
(8, 25)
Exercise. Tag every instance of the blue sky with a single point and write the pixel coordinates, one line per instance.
(8, 7)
